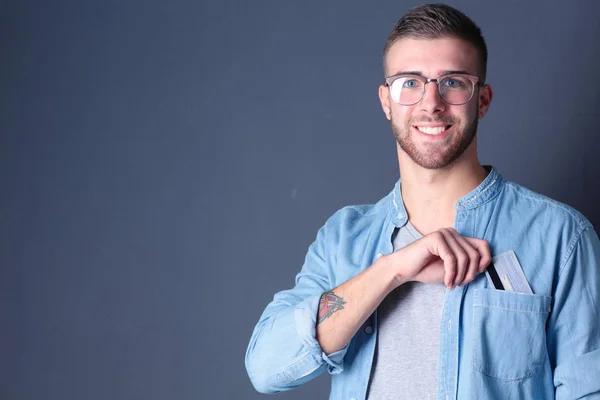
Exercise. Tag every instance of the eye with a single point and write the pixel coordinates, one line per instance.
(410, 83)
(453, 83)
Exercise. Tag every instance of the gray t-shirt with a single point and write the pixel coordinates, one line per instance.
(408, 320)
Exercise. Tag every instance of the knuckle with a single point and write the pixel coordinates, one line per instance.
(475, 257)
(487, 259)
(451, 260)
(462, 258)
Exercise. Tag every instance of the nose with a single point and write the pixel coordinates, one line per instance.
(431, 101)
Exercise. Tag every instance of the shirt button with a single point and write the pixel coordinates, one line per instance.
(369, 329)
(378, 255)
(354, 398)
(449, 324)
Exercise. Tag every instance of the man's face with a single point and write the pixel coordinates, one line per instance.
(432, 58)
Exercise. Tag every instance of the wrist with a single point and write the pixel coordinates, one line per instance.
(389, 269)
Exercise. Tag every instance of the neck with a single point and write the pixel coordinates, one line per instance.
(430, 195)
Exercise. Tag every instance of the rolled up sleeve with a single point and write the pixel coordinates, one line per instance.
(306, 320)
(283, 352)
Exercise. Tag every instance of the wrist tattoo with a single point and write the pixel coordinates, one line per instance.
(329, 304)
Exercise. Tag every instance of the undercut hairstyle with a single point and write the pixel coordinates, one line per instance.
(436, 21)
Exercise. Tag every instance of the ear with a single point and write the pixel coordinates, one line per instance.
(485, 99)
(384, 98)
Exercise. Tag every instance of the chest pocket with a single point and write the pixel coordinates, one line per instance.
(509, 337)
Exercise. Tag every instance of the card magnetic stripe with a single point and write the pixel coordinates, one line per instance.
(495, 278)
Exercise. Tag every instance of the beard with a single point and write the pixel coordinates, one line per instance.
(437, 155)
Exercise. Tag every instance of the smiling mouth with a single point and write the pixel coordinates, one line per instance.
(430, 130)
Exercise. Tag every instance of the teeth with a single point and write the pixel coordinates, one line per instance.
(430, 130)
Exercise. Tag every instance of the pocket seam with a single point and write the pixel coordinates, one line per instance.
(512, 309)
(533, 372)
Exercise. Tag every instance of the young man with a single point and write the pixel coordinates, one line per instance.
(393, 299)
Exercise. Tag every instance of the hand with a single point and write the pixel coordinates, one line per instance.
(442, 256)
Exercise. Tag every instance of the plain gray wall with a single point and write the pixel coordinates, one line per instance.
(165, 166)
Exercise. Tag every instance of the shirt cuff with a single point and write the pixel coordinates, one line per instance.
(305, 316)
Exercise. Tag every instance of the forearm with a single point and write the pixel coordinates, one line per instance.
(344, 309)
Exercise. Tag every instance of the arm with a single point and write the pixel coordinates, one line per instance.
(442, 256)
(283, 352)
(574, 325)
(358, 298)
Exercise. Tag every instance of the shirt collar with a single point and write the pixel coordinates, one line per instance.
(486, 191)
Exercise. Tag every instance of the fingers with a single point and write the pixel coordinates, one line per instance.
(457, 264)
(463, 257)
(483, 248)
(439, 247)
(473, 257)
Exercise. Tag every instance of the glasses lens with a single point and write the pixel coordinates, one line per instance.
(456, 89)
(407, 90)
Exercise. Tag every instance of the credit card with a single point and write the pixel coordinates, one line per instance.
(505, 273)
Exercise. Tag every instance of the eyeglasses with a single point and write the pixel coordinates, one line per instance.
(455, 89)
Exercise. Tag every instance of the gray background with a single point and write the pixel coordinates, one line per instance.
(165, 166)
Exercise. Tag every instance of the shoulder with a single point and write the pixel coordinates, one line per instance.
(354, 220)
(528, 201)
(360, 214)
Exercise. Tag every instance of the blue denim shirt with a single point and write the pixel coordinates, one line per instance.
(493, 344)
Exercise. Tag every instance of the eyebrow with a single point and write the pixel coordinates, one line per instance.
(447, 72)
